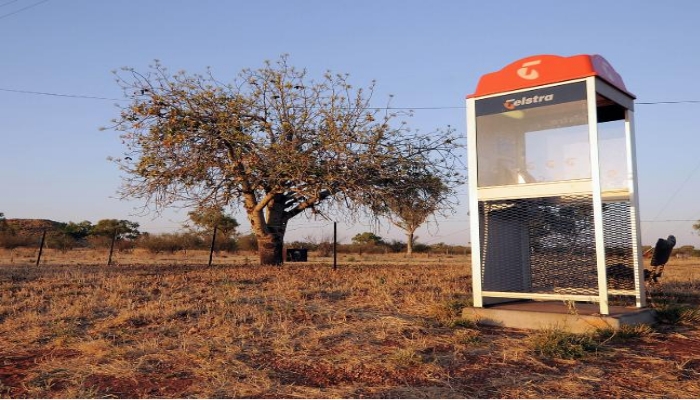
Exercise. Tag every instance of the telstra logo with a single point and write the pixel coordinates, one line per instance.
(512, 104)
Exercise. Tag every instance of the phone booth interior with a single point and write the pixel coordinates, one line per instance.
(552, 180)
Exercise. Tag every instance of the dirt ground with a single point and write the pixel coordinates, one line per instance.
(304, 330)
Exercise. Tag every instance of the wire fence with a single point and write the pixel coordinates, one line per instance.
(43, 249)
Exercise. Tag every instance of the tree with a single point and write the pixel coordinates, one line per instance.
(367, 238)
(122, 228)
(209, 218)
(408, 207)
(214, 218)
(79, 230)
(274, 142)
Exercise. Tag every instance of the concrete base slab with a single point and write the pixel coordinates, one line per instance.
(540, 315)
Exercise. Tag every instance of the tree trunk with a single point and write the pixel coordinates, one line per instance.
(270, 249)
(409, 243)
(269, 231)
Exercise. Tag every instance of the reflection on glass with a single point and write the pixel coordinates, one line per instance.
(613, 155)
(558, 154)
(543, 144)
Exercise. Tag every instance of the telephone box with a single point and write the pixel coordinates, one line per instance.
(553, 186)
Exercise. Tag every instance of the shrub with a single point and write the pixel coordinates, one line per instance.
(421, 248)
(297, 244)
(125, 245)
(449, 313)
(248, 243)
(325, 249)
(396, 246)
(171, 242)
(226, 244)
(625, 332)
(99, 242)
(61, 242)
(677, 314)
(364, 248)
(11, 241)
(555, 343)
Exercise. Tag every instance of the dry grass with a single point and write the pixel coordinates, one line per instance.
(375, 329)
(28, 256)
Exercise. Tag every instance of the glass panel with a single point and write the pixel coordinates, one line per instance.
(613, 155)
(612, 145)
(534, 136)
(558, 154)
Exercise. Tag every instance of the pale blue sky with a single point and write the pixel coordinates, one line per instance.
(427, 53)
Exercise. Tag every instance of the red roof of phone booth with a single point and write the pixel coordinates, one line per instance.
(546, 69)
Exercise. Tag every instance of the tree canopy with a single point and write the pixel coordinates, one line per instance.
(120, 228)
(78, 230)
(210, 218)
(367, 238)
(213, 220)
(274, 141)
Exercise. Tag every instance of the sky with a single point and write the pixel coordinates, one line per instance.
(57, 88)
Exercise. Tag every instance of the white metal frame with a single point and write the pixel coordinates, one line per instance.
(591, 186)
(640, 289)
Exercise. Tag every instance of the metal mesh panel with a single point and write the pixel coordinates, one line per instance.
(617, 235)
(539, 245)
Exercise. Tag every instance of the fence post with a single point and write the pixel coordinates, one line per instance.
(335, 245)
(41, 247)
(211, 249)
(111, 248)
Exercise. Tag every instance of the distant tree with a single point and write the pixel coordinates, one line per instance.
(214, 217)
(3, 222)
(409, 206)
(367, 238)
(79, 230)
(685, 251)
(209, 218)
(274, 142)
(122, 228)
